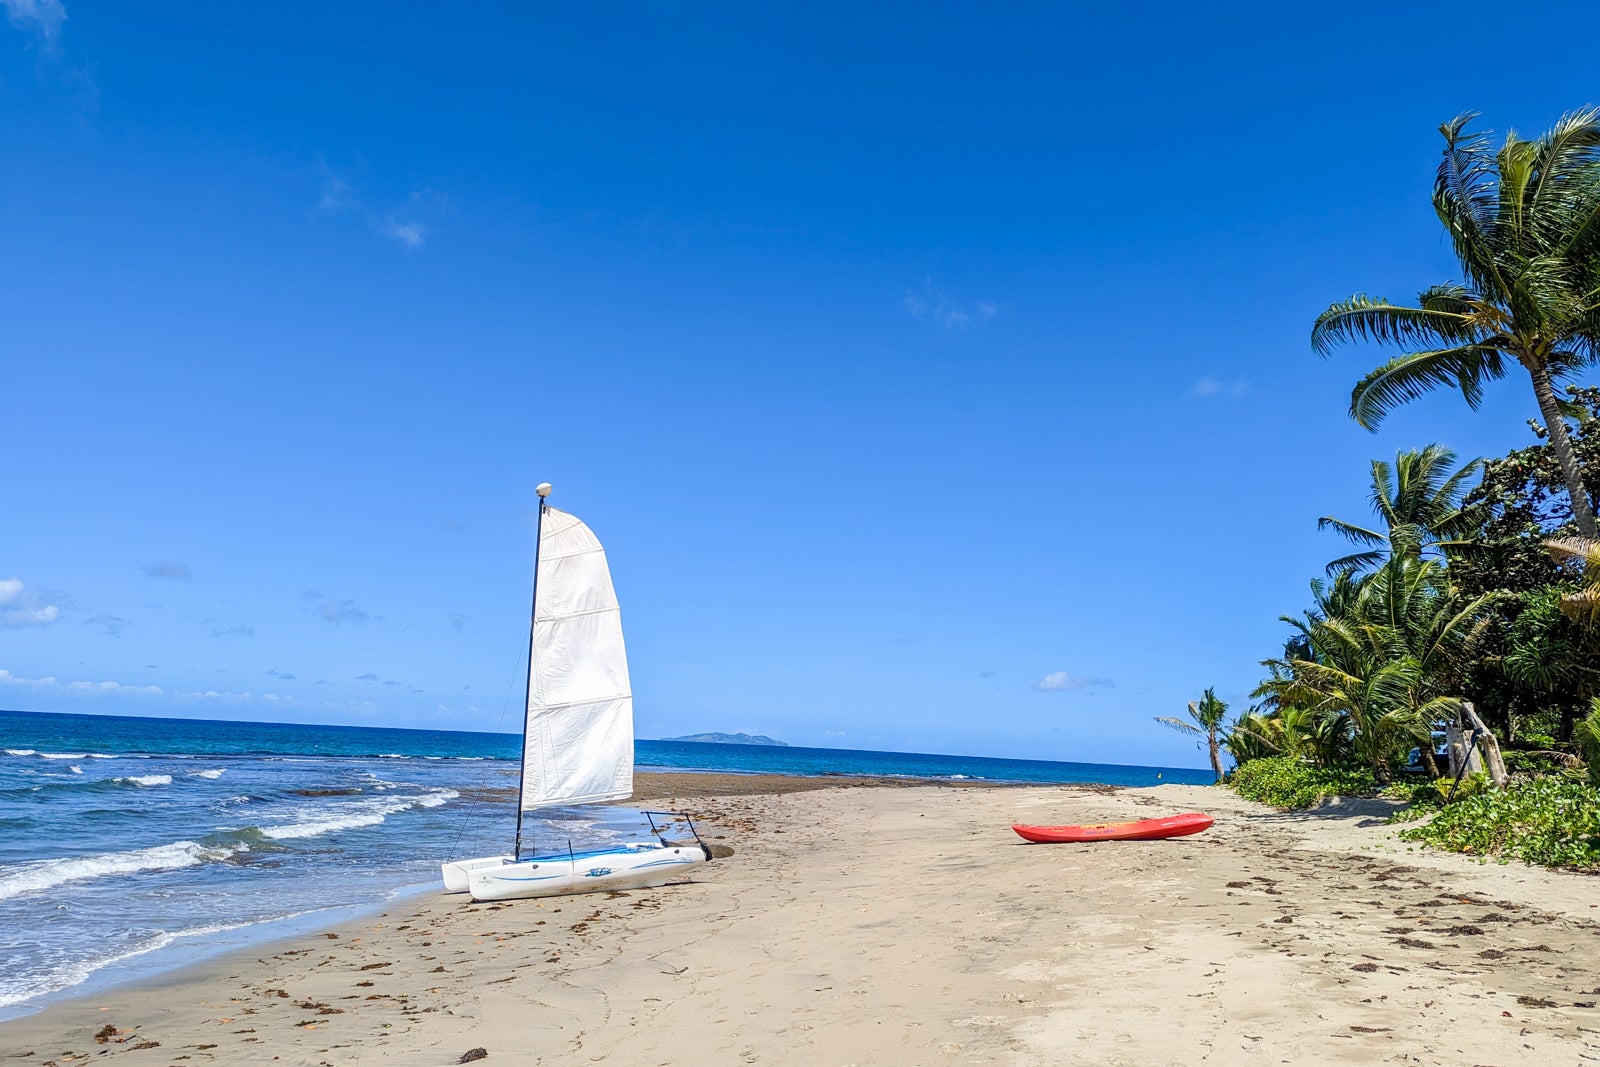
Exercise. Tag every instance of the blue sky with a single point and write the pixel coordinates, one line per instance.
(936, 376)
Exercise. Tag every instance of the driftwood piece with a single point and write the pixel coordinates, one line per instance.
(1491, 747)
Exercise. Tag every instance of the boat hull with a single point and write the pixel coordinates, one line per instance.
(457, 873)
(605, 870)
(1141, 830)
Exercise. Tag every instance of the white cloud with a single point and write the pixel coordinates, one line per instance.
(1210, 386)
(21, 607)
(7, 678)
(50, 682)
(945, 307)
(113, 687)
(1062, 681)
(41, 17)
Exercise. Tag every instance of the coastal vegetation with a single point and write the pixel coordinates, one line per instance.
(1452, 658)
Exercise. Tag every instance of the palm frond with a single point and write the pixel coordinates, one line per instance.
(1414, 374)
(1361, 318)
(1359, 535)
(1179, 725)
(1465, 197)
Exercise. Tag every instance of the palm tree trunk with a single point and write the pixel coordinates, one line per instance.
(1431, 764)
(1216, 754)
(1582, 513)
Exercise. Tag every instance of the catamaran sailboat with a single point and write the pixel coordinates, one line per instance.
(577, 744)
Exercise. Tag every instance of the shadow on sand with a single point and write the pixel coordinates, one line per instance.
(1359, 811)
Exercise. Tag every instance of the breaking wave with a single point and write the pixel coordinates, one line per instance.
(144, 781)
(40, 875)
(354, 816)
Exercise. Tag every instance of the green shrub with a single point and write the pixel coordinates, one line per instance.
(1416, 791)
(1543, 762)
(1448, 789)
(1286, 782)
(1553, 822)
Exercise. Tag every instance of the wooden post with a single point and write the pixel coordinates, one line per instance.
(1456, 740)
(1491, 747)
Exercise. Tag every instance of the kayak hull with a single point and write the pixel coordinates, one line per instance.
(1141, 830)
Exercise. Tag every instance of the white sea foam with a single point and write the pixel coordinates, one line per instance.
(62, 755)
(210, 774)
(22, 878)
(21, 752)
(354, 816)
(75, 769)
(71, 974)
(145, 781)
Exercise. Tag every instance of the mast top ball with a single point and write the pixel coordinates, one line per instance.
(543, 489)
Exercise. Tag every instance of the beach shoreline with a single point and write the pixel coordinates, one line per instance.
(861, 923)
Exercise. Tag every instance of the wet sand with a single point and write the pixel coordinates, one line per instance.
(907, 924)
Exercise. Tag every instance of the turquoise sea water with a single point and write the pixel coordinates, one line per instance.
(133, 844)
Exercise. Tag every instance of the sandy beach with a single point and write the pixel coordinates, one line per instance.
(877, 925)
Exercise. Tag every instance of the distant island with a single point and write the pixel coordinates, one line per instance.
(731, 739)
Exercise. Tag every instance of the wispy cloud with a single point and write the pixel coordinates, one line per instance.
(408, 234)
(21, 606)
(42, 18)
(945, 307)
(285, 675)
(1065, 681)
(458, 621)
(389, 682)
(220, 628)
(110, 625)
(169, 570)
(1209, 386)
(337, 612)
(401, 223)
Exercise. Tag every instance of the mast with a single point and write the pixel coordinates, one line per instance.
(543, 489)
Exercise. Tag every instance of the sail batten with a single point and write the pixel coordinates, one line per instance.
(578, 743)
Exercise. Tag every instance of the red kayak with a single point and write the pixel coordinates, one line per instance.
(1142, 830)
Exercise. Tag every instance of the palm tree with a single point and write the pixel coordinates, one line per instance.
(1525, 226)
(1256, 734)
(1588, 738)
(1209, 715)
(1419, 501)
(1583, 605)
(1358, 679)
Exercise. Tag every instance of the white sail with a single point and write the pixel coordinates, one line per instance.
(578, 746)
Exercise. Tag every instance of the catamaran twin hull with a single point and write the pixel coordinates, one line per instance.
(598, 871)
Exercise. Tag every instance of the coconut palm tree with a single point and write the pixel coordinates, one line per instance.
(1583, 605)
(1419, 501)
(1358, 678)
(1525, 225)
(1209, 717)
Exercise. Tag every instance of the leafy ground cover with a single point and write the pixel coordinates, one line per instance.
(1287, 782)
(1549, 821)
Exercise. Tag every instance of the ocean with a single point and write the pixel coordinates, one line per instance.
(130, 845)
